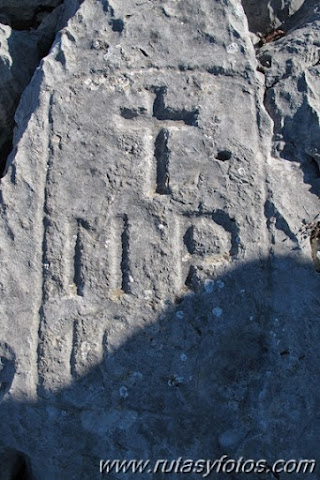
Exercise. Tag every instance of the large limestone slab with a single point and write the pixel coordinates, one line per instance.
(158, 297)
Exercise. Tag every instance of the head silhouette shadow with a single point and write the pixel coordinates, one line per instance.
(227, 369)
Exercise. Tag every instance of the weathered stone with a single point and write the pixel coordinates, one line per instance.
(265, 15)
(291, 67)
(159, 299)
(24, 15)
(22, 47)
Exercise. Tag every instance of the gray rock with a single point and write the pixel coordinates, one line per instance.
(158, 294)
(21, 52)
(291, 67)
(24, 15)
(268, 14)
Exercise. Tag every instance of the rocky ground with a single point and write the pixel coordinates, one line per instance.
(159, 295)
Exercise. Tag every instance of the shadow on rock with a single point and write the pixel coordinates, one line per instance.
(231, 368)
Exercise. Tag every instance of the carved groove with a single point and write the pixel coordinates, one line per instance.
(78, 259)
(230, 225)
(75, 338)
(162, 156)
(162, 112)
(188, 240)
(125, 260)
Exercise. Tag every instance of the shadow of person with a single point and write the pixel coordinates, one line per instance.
(231, 369)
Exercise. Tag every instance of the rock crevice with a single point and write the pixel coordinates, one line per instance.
(26, 36)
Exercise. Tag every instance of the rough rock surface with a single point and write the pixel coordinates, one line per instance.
(158, 297)
(26, 35)
(265, 14)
